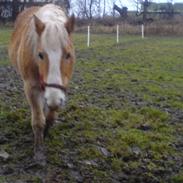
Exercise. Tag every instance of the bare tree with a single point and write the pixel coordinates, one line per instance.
(15, 9)
(90, 8)
(142, 8)
(104, 8)
(87, 8)
(64, 3)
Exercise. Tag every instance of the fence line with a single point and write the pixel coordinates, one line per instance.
(88, 41)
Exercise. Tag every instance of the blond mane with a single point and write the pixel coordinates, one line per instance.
(54, 35)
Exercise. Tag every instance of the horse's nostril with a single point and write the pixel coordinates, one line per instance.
(62, 102)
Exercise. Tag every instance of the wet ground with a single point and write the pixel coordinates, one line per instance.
(123, 121)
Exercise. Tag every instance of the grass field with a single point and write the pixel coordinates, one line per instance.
(123, 121)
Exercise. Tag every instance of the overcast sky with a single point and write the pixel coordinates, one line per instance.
(121, 3)
(130, 4)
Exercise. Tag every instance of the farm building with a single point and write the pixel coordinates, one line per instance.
(9, 8)
(177, 7)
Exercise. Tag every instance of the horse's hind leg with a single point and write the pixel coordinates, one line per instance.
(38, 119)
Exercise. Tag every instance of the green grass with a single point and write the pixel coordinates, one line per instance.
(5, 35)
(4, 41)
(178, 178)
(117, 90)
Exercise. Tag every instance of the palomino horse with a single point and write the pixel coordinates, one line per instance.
(42, 51)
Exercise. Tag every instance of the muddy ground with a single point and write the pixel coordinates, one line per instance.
(122, 122)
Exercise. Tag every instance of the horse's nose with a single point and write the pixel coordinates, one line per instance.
(54, 105)
(54, 98)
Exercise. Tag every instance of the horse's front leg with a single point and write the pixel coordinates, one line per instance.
(51, 115)
(36, 102)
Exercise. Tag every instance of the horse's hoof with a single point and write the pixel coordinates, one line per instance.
(40, 158)
(46, 131)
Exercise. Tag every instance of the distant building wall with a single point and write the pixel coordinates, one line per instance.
(9, 9)
(177, 7)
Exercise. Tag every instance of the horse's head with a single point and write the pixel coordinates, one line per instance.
(55, 57)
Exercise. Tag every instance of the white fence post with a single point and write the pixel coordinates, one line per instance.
(117, 34)
(142, 28)
(88, 39)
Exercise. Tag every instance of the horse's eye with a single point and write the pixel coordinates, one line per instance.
(41, 56)
(68, 55)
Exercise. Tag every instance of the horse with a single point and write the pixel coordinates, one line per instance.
(42, 51)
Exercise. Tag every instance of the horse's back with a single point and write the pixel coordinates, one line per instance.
(21, 25)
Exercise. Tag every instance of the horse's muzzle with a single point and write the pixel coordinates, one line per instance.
(54, 98)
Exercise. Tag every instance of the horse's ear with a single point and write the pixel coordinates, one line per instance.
(39, 25)
(70, 24)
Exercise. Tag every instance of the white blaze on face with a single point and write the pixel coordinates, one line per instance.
(54, 97)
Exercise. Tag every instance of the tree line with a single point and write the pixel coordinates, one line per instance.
(83, 9)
